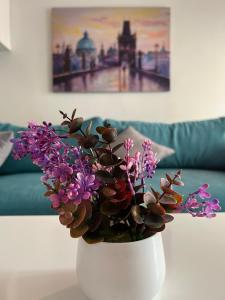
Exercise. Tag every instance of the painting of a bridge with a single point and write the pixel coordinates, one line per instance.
(111, 49)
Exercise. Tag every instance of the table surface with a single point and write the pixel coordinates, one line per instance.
(38, 258)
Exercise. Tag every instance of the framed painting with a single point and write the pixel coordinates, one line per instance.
(122, 49)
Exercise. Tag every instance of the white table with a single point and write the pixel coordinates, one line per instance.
(37, 259)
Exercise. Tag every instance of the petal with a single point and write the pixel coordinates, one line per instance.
(202, 194)
(204, 186)
(86, 195)
(80, 176)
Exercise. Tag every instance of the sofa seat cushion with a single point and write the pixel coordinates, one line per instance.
(23, 194)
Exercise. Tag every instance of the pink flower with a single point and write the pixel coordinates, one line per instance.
(202, 191)
(211, 207)
(58, 199)
(63, 171)
(201, 209)
(128, 144)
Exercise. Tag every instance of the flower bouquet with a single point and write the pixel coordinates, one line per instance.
(100, 196)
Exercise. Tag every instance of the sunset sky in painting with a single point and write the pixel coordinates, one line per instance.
(152, 25)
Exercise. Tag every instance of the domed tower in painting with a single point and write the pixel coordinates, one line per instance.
(85, 45)
(127, 46)
(86, 50)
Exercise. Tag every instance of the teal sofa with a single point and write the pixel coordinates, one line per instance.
(199, 152)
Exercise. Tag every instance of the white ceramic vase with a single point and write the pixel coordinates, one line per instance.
(121, 271)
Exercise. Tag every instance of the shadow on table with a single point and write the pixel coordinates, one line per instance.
(40, 285)
(70, 293)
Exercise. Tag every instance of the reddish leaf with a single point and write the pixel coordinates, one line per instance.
(169, 178)
(137, 214)
(65, 123)
(100, 129)
(78, 231)
(168, 218)
(66, 218)
(104, 176)
(79, 215)
(178, 182)
(95, 222)
(110, 209)
(168, 199)
(73, 113)
(92, 238)
(108, 192)
(76, 124)
(109, 134)
(156, 209)
(117, 147)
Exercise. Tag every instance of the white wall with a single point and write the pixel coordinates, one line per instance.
(198, 67)
(4, 24)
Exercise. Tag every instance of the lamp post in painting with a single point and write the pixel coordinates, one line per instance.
(156, 47)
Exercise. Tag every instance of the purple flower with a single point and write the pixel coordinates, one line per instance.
(83, 188)
(147, 145)
(202, 191)
(201, 209)
(149, 160)
(62, 172)
(192, 203)
(211, 207)
(58, 199)
(40, 142)
(73, 192)
(128, 144)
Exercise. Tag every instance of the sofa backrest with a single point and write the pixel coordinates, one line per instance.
(25, 165)
(197, 144)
